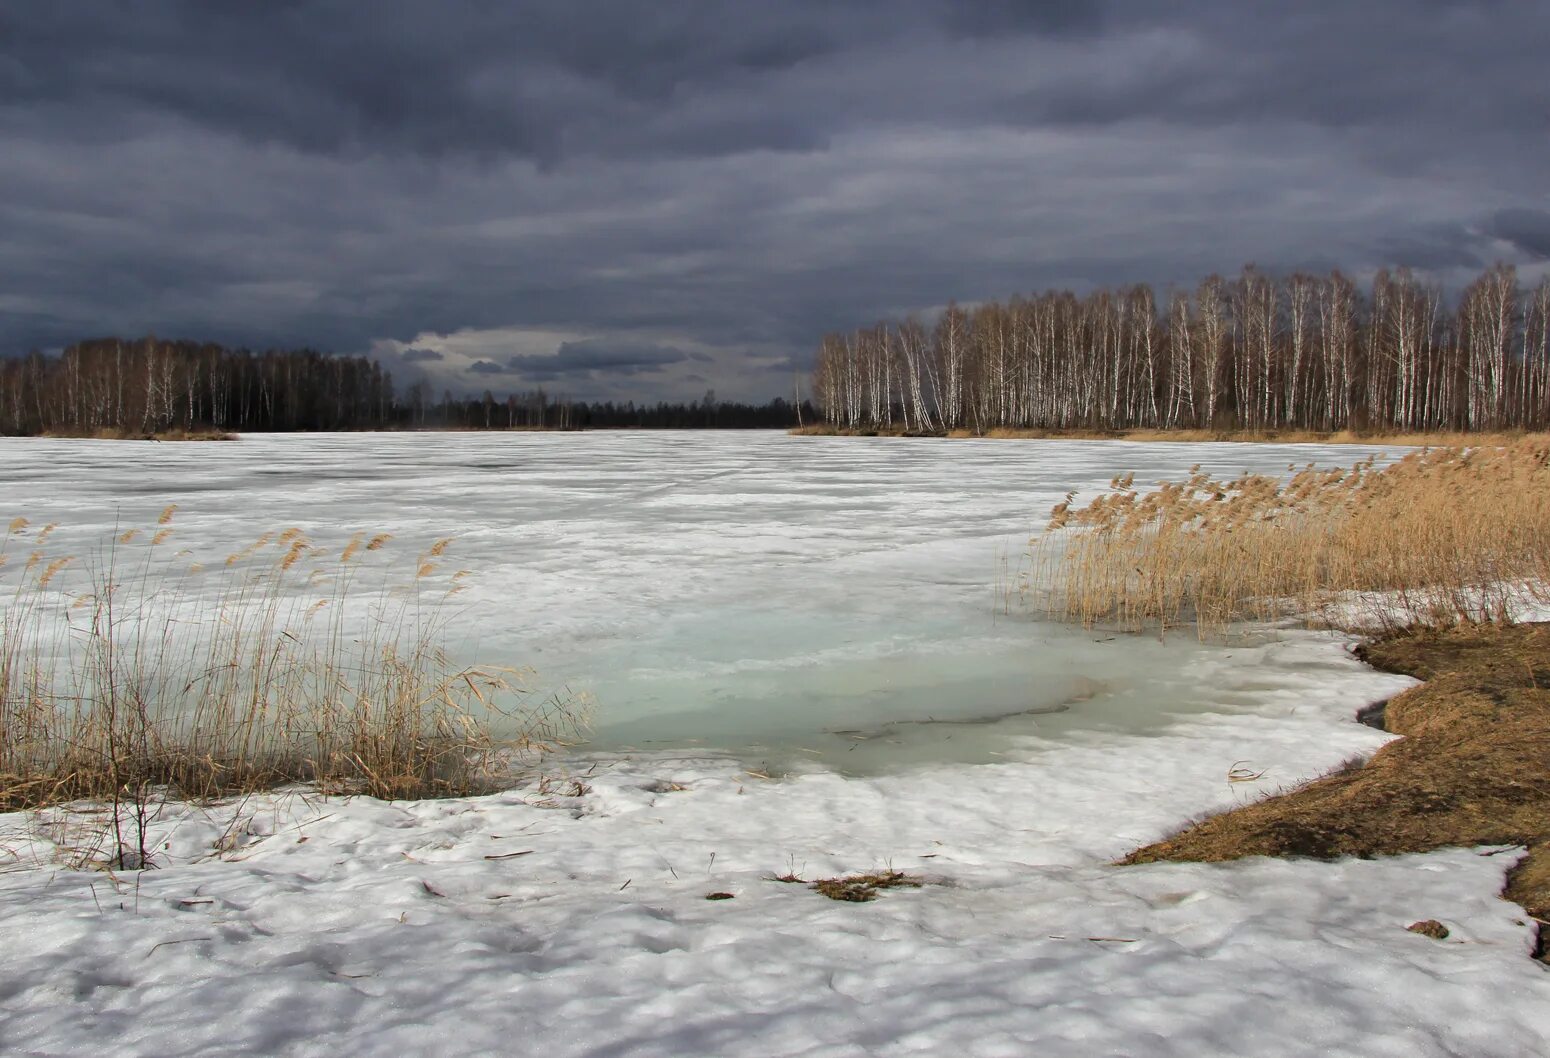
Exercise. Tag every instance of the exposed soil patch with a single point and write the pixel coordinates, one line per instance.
(1472, 769)
(145, 435)
(1429, 928)
(1354, 437)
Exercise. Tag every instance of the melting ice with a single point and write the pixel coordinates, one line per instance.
(786, 599)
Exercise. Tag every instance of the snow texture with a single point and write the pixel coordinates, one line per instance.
(569, 916)
(770, 595)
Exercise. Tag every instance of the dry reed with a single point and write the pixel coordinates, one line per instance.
(116, 434)
(1182, 435)
(1442, 536)
(130, 672)
(1248, 436)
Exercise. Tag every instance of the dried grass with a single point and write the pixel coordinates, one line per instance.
(1442, 536)
(1473, 767)
(128, 670)
(1337, 437)
(116, 434)
(862, 888)
(1181, 435)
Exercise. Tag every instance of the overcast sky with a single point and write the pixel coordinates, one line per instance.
(651, 199)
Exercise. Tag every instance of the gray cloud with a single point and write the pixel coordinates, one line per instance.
(595, 359)
(1528, 229)
(1438, 248)
(488, 367)
(984, 18)
(563, 197)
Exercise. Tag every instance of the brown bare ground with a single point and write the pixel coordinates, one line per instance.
(1354, 437)
(1473, 768)
(1337, 437)
(143, 435)
(824, 430)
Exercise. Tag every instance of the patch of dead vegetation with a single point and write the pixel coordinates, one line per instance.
(111, 434)
(863, 888)
(826, 430)
(1528, 884)
(131, 674)
(1443, 536)
(1429, 928)
(1473, 768)
(1179, 435)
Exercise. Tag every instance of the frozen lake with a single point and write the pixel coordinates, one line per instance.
(764, 595)
(783, 598)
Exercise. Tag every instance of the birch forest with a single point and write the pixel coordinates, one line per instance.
(150, 386)
(1309, 352)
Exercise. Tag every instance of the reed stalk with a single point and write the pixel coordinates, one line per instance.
(1442, 536)
(132, 668)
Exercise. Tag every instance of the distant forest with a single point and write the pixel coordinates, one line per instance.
(149, 386)
(1254, 353)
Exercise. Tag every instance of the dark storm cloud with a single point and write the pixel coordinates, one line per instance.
(1441, 248)
(551, 191)
(1415, 78)
(597, 358)
(997, 17)
(488, 367)
(397, 75)
(1528, 229)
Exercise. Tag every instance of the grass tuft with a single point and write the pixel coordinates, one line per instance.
(862, 888)
(128, 671)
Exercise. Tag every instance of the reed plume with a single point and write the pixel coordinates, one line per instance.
(1441, 536)
(130, 671)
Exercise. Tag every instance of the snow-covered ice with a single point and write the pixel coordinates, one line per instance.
(755, 592)
(569, 917)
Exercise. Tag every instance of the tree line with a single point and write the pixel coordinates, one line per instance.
(1254, 352)
(149, 386)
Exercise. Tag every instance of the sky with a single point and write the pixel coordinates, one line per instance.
(643, 201)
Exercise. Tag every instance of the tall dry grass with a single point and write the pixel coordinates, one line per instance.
(131, 669)
(1249, 436)
(1442, 536)
(1182, 435)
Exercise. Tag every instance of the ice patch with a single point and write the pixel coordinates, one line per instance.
(750, 592)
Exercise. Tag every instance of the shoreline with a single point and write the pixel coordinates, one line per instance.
(1339, 437)
(475, 918)
(1180, 436)
(1471, 769)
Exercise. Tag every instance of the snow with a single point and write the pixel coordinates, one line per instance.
(563, 919)
(751, 592)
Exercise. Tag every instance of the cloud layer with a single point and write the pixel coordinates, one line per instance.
(645, 198)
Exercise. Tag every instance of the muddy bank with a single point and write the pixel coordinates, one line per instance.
(1473, 768)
